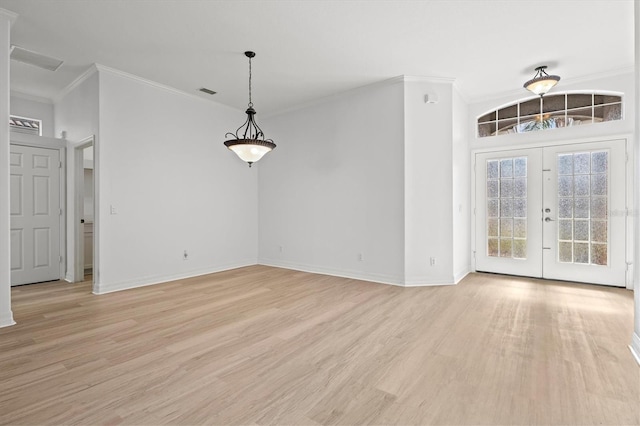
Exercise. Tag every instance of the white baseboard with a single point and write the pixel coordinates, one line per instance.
(428, 282)
(6, 319)
(460, 275)
(314, 269)
(104, 288)
(635, 347)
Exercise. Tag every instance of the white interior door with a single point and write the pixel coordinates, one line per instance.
(553, 212)
(35, 214)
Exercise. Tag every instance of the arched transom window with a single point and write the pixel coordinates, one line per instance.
(551, 112)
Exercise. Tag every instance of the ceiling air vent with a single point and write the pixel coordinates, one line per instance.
(207, 91)
(36, 59)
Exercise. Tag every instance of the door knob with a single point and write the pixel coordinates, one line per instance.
(548, 219)
(547, 210)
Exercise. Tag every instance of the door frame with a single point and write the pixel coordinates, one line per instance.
(59, 145)
(75, 270)
(629, 177)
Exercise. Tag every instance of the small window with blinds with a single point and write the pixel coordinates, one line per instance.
(25, 125)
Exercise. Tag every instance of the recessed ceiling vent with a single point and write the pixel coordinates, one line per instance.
(207, 91)
(36, 59)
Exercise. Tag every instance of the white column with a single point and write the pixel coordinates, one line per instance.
(635, 340)
(6, 316)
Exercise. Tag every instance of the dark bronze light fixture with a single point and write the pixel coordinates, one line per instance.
(542, 82)
(248, 141)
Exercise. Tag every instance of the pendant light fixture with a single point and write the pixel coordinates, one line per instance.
(248, 141)
(542, 82)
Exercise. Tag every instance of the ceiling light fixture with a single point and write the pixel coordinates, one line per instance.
(249, 142)
(542, 82)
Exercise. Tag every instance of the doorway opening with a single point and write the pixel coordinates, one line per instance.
(87, 214)
(555, 212)
(83, 219)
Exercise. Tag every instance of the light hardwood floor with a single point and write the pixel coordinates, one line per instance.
(262, 345)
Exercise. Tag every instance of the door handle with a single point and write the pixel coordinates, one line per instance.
(547, 210)
(548, 219)
(81, 220)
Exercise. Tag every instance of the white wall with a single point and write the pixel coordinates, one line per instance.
(635, 339)
(461, 188)
(77, 111)
(333, 188)
(77, 114)
(173, 184)
(24, 106)
(428, 158)
(6, 316)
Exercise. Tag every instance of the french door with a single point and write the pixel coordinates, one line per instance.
(554, 212)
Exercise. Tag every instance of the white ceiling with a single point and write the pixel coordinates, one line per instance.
(308, 49)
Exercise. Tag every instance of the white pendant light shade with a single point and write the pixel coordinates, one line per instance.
(248, 152)
(542, 82)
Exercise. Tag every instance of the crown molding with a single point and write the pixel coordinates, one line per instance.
(358, 89)
(106, 69)
(427, 79)
(29, 97)
(75, 83)
(611, 73)
(11, 16)
(335, 96)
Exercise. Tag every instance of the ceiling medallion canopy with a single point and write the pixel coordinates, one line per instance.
(542, 82)
(248, 141)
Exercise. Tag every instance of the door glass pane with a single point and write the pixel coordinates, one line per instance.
(520, 167)
(583, 207)
(506, 168)
(565, 164)
(520, 228)
(580, 252)
(565, 207)
(564, 252)
(520, 187)
(565, 230)
(581, 185)
(507, 208)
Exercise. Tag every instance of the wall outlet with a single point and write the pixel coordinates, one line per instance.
(360, 257)
(432, 261)
(185, 255)
(280, 249)
(113, 210)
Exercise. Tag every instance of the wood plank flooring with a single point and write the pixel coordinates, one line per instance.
(263, 345)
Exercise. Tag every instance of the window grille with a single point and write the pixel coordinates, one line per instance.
(551, 112)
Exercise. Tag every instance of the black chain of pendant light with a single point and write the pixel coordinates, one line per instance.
(249, 133)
